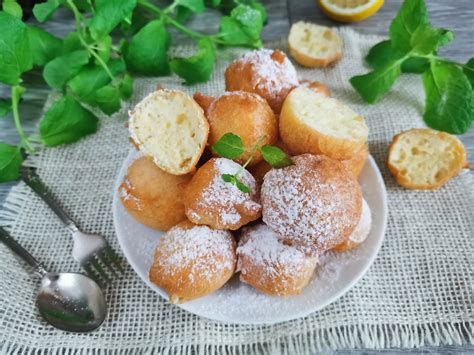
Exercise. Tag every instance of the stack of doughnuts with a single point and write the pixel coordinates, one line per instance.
(272, 234)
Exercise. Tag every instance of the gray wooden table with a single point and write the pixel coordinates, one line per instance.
(456, 15)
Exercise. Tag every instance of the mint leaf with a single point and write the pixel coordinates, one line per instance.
(10, 162)
(5, 107)
(93, 77)
(197, 68)
(228, 178)
(108, 15)
(469, 71)
(448, 98)
(71, 43)
(126, 87)
(242, 27)
(426, 39)
(104, 47)
(182, 14)
(193, 5)
(276, 157)
(66, 121)
(233, 179)
(241, 186)
(13, 8)
(15, 56)
(415, 65)
(412, 14)
(45, 10)
(146, 53)
(229, 146)
(58, 71)
(43, 45)
(376, 83)
(107, 99)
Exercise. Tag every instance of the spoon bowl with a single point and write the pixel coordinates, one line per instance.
(71, 302)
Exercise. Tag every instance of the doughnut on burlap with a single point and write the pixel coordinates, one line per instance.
(418, 292)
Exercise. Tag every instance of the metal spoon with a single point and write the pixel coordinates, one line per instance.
(68, 301)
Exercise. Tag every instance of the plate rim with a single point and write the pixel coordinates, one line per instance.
(347, 287)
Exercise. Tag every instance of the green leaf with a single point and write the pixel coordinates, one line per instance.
(376, 83)
(71, 43)
(13, 8)
(58, 71)
(276, 157)
(197, 68)
(107, 99)
(146, 53)
(84, 5)
(426, 39)
(45, 10)
(104, 47)
(66, 121)
(43, 45)
(10, 162)
(228, 178)
(229, 146)
(126, 87)
(241, 186)
(412, 14)
(5, 107)
(92, 78)
(242, 27)
(193, 5)
(108, 15)
(15, 56)
(182, 14)
(448, 98)
(469, 71)
(415, 65)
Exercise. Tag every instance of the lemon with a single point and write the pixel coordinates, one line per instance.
(350, 10)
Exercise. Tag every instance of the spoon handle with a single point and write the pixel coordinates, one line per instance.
(31, 178)
(6, 238)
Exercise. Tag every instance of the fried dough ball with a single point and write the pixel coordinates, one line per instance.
(203, 100)
(192, 261)
(209, 200)
(361, 231)
(246, 115)
(270, 266)
(259, 170)
(268, 73)
(316, 86)
(314, 204)
(357, 162)
(152, 196)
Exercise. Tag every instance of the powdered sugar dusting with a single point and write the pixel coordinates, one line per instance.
(362, 229)
(306, 209)
(227, 196)
(202, 251)
(270, 75)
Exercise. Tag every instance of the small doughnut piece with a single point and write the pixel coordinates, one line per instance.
(203, 100)
(270, 266)
(192, 261)
(265, 72)
(316, 124)
(170, 126)
(152, 196)
(361, 231)
(357, 162)
(246, 115)
(316, 86)
(425, 159)
(313, 45)
(314, 204)
(209, 200)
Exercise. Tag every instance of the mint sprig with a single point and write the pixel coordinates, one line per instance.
(412, 48)
(230, 146)
(87, 69)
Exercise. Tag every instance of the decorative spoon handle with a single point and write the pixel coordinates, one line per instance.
(6, 238)
(31, 178)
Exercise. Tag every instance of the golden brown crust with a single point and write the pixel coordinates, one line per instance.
(357, 162)
(192, 261)
(152, 196)
(203, 100)
(210, 201)
(314, 204)
(318, 87)
(311, 62)
(459, 162)
(301, 138)
(246, 115)
(267, 73)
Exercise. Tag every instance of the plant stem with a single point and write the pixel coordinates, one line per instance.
(254, 150)
(78, 19)
(16, 118)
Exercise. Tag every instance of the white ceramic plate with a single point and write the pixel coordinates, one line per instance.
(239, 303)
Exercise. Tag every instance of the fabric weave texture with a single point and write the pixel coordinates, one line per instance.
(418, 292)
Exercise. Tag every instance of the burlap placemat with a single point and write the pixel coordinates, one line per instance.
(418, 292)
